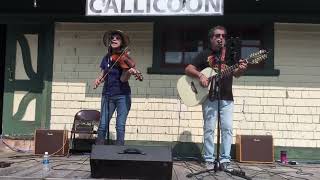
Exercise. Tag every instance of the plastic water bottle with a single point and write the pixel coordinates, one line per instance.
(45, 164)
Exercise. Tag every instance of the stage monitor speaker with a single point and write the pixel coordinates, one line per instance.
(51, 141)
(254, 148)
(127, 162)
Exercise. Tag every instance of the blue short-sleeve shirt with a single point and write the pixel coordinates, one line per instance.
(112, 84)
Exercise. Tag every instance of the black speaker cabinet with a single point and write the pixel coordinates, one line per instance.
(254, 148)
(51, 141)
(127, 162)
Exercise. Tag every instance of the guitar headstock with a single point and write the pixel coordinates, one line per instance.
(257, 57)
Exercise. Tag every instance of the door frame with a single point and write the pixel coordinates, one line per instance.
(2, 69)
(45, 67)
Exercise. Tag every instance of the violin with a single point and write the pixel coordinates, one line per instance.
(126, 62)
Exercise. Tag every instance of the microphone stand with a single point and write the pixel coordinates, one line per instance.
(214, 94)
(217, 96)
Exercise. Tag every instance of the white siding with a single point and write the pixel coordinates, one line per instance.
(287, 106)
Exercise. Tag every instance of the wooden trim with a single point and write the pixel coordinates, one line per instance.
(266, 37)
(48, 74)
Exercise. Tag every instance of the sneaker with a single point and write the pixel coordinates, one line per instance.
(226, 166)
(209, 165)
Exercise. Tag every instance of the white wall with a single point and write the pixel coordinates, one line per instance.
(287, 106)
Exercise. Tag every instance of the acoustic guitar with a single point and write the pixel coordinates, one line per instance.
(192, 93)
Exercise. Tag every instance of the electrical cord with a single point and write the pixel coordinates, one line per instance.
(63, 145)
(237, 164)
(299, 170)
(77, 169)
(36, 158)
(230, 175)
(202, 175)
(14, 148)
(190, 169)
(28, 151)
(281, 174)
(175, 173)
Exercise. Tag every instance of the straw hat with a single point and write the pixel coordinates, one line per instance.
(107, 37)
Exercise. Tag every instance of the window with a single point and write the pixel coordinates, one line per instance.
(176, 44)
(180, 45)
(248, 47)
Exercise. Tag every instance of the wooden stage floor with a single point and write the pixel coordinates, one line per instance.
(28, 166)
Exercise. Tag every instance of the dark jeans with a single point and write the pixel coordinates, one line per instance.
(122, 104)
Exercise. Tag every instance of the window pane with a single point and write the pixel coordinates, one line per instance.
(250, 43)
(173, 57)
(248, 47)
(180, 44)
(188, 56)
(246, 51)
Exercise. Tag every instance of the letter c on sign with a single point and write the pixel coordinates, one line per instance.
(92, 8)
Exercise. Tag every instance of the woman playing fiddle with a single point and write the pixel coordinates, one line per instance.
(116, 93)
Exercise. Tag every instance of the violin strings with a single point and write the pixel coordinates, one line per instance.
(104, 76)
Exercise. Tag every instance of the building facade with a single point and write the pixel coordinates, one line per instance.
(50, 63)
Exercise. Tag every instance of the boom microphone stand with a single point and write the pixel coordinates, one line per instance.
(214, 94)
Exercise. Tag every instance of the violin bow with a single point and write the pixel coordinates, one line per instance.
(105, 75)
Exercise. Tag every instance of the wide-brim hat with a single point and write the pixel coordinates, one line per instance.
(107, 37)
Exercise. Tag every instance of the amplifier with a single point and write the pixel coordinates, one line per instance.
(254, 148)
(51, 141)
(127, 162)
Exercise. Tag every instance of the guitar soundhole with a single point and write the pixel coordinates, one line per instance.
(193, 87)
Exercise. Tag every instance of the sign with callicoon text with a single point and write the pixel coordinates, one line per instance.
(154, 7)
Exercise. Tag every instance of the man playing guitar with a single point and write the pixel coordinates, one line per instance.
(211, 58)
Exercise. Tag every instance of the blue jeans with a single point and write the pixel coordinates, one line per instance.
(210, 115)
(122, 104)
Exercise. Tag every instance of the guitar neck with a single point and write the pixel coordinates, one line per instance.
(254, 58)
(226, 72)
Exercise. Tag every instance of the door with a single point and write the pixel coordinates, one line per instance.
(28, 77)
